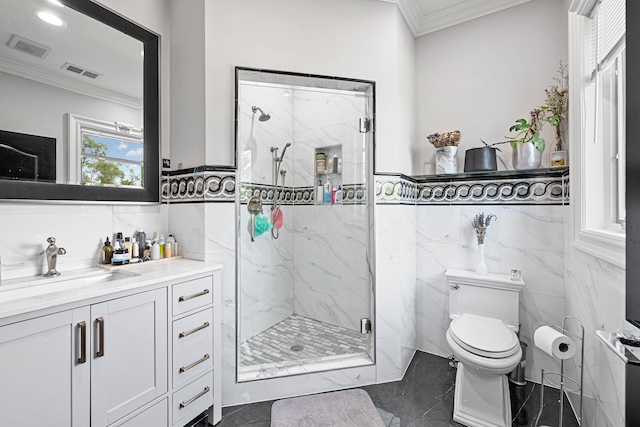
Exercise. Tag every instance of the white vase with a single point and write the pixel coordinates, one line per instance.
(481, 267)
(446, 160)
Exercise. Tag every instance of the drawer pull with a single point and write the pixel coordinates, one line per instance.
(189, 402)
(82, 326)
(100, 322)
(199, 294)
(199, 328)
(197, 362)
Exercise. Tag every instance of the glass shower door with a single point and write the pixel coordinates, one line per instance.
(304, 291)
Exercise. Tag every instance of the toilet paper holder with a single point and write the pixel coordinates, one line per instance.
(562, 377)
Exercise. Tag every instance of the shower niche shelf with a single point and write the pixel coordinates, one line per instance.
(328, 166)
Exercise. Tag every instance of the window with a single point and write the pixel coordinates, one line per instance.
(597, 126)
(105, 154)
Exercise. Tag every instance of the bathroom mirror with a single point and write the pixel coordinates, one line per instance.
(80, 113)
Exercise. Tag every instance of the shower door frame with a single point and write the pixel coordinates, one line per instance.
(370, 93)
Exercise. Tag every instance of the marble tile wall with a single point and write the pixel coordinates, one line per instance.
(80, 229)
(595, 294)
(395, 283)
(527, 238)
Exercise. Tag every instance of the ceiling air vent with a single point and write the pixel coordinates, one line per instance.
(82, 71)
(28, 46)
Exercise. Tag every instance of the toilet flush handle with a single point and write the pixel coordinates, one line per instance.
(455, 287)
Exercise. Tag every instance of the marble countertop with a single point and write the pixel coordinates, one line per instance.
(77, 287)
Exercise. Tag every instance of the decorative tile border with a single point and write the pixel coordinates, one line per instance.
(538, 190)
(352, 194)
(550, 187)
(209, 185)
(394, 190)
(218, 184)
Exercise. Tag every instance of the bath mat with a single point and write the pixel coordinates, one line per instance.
(346, 408)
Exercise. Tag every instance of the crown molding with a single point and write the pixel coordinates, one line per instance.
(421, 24)
(20, 70)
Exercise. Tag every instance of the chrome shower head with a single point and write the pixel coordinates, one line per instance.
(263, 116)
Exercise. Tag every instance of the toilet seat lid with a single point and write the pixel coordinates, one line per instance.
(484, 336)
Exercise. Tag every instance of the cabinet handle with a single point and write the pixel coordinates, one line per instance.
(100, 322)
(199, 328)
(189, 402)
(197, 362)
(199, 294)
(82, 326)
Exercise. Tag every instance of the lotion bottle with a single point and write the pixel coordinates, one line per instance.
(319, 193)
(155, 251)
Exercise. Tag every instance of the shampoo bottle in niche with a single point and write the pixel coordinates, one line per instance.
(327, 192)
(319, 193)
(339, 194)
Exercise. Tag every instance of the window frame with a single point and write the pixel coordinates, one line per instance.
(79, 126)
(605, 243)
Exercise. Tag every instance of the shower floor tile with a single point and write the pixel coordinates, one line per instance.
(318, 340)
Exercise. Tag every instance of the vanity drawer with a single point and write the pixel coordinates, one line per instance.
(193, 398)
(191, 295)
(192, 346)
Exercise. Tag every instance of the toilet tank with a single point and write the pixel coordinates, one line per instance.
(489, 295)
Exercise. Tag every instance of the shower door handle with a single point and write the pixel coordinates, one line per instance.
(254, 207)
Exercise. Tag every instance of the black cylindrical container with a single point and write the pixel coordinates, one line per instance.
(480, 159)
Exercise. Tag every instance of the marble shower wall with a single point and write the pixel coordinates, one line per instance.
(80, 229)
(330, 267)
(524, 237)
(595, 294)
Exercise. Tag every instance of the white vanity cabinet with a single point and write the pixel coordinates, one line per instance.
(133, 357)
(42, 382)
(87, 366)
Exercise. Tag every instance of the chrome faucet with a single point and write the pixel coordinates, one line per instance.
(52, 253)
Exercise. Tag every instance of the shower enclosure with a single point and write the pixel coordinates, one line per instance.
(304, 148)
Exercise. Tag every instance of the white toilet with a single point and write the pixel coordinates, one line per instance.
(482, 336)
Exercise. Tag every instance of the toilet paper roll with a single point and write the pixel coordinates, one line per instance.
(554, 343)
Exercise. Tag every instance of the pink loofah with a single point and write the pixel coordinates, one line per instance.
(277, 218)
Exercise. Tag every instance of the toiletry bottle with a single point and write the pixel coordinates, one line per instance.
(146, 254)
(327, 192)
(319, 193)
(135, 249)
(339, 167)
(339, 194)
(333, 195)
(141, 237)
(161, 243)
(171, 240)
(119, 241)
(155, 251)
(330, 165)
(168, 250)
(335, 163)
(128, 246)
(107, 252)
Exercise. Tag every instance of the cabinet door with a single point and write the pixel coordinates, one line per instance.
(44, 381)
(129, 355)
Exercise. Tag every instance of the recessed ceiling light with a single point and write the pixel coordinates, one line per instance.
(56, 2)
(51, 18)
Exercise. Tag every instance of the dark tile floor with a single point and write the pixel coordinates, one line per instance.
(424, 397)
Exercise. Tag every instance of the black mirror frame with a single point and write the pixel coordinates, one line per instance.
(20, 190)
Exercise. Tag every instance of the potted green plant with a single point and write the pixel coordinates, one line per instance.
(527, 143)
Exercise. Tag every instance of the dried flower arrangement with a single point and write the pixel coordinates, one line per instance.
(557, 99)
(445, 139)
(480, 224)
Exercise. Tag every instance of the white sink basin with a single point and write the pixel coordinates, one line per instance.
(40, 285)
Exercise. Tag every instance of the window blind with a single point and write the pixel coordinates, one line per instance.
(608, 27)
